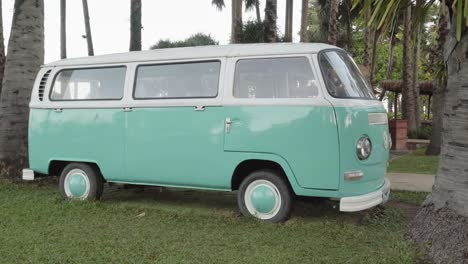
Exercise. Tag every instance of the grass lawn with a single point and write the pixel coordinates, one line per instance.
(173, 226)
(416, 162)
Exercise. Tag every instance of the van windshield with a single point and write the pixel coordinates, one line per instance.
(342, 76)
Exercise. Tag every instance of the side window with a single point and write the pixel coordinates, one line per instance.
(89, 84)
(275, 78)
(180, 80)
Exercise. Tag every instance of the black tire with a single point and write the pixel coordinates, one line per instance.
(90, 174)
(278, 215)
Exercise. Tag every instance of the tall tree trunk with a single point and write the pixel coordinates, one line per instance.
(349, 29)
(270, 21)
(2, 49)
(135, 25)
(333, 24)
(25, 56)
(375, 41)
(305, 21)
(63, 29)
(417, 110)
(440, 90)
(236, 21)
(366, 36)
(257, 11)
(89, 37)
(442, 222)
(288, 21)
(407, 98)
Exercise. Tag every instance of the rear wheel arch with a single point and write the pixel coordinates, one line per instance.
(57, 166)
(246, 167)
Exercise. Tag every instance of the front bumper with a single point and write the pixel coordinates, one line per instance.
(366, 201)
(28, 175)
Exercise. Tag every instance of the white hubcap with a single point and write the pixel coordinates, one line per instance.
(262, 199)
(76, 184)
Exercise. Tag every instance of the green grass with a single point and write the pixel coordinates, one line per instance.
(173, 226)
(409, 197)
(416, 162)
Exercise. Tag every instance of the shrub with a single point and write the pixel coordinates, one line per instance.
(420, 133)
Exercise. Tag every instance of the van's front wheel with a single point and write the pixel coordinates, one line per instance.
(81, 181)
(266, 196)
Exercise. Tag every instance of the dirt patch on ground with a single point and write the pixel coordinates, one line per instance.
(441, 233)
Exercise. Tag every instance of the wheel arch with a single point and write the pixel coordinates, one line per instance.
(56, 166)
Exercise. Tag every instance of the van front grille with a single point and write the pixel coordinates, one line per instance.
(42, 85)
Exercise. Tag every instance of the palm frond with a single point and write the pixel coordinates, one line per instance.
(218, 3)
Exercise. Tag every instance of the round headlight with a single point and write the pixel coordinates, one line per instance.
(363, 148)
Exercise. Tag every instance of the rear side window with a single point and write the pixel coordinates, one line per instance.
(181, 80)
(342, 76)
(275, 78)
(89, 84)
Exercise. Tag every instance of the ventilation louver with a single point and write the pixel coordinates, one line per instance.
(42, 85)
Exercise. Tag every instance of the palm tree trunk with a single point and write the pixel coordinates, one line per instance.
(135, 25)
(89, 37)
(391, 59)
(407, 86)
(305, 21)
(25, 56)
(236, 21)
(366, 36)
(417, 110)
(440, 90)
(2, 49)
(441, 222)
(349, 22)
(375, 41)
(257, 11)
(270, 21)
(288, 21)
(333, 24)
(63, 29)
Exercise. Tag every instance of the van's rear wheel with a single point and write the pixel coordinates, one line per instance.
(266, 196)
(81, 181)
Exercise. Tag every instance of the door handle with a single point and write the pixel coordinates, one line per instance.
(228, 123)
(58, 110)
(127, 109)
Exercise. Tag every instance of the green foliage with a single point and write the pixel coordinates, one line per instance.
(198, 39)
(180, 226)
(253, 32)
(423, 132)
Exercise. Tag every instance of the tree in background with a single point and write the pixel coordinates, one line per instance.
(89, 37)
(250, 4)
(25, 56)
(2, 49)
(270, 28)
(333, 22)
(135, 25)
(304, 34)
(288, 27)
(198, 39)
(236, 17)
(63, 29)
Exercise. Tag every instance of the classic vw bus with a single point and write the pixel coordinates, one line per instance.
(271, 121)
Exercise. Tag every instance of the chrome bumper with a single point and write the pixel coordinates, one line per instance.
(366, 201)
(28, 175)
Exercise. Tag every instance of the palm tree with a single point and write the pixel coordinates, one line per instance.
(25, 56)
(63, 29)
(407, 98)
(288, 21)
(249, 4)
(270, 28)
(135, 25)
(236, 18)
(304, 21)
(89, 37)
(2, 49)
(333, 24)
(441, 222)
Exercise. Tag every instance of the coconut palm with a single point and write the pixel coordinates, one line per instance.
(25, 56)
(304, 34)
(288, 21)
(89, 37)
(135, 25)
(236, 18)
(270, 28)
(63, 29)
(333, 22)
(250, 4)
(2, 49)
(441, 220)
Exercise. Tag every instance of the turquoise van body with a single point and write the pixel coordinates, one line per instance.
(207, 143)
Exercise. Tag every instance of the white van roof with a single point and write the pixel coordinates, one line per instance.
(199, 52)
